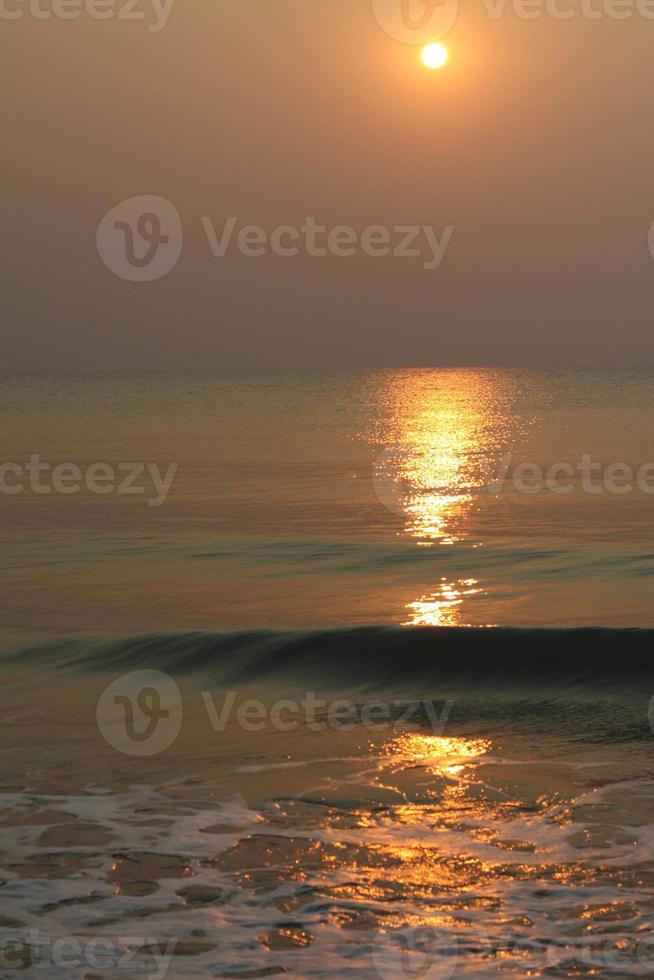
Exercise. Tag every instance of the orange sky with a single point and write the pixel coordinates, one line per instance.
(535, 144)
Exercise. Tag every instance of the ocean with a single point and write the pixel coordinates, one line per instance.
(327, 674)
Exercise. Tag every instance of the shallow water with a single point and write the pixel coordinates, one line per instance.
(435, 822)
(329, 854)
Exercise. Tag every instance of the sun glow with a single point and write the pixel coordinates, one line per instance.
(434, 55)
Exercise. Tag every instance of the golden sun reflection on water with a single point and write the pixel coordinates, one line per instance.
(442, 607)
(441, 425)
(438, 754)
(430, 515)
(444, 431)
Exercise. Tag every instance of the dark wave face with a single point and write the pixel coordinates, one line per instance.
(377, 657)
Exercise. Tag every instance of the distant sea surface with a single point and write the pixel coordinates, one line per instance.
(326, 500)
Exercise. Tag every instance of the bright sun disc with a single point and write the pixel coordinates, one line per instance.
(434, 55)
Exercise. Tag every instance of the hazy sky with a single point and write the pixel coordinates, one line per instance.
(535, 144)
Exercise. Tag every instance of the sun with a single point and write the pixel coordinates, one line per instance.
(434, 55)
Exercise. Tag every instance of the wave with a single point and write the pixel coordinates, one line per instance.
(374, 657)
